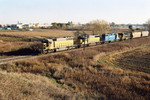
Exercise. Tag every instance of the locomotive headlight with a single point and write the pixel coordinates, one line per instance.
(44, 45)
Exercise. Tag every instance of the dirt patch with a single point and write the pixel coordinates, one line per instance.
(1, 41)
(138, 60)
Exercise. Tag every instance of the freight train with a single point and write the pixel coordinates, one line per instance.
(66, 43)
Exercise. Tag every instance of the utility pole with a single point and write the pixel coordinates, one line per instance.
(84, 45)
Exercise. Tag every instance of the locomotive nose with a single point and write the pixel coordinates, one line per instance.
(43, 45)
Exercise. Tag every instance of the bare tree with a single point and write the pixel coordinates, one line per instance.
(54, 25)
(99, 26)
(148, 24)
(64, 26)
(131, 28)
(112, 24)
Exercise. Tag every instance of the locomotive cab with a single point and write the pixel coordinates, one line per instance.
(46, 45)
(82, 40)
(121, 36)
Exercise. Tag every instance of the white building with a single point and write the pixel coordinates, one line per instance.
(20, 25)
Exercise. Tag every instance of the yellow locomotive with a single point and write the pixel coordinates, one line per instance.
(52, 45)
(88, 40)
(56, 44)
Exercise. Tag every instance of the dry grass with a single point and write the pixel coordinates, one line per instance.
(10, 43)
(27, 86)
(12, 46)
(83, 74)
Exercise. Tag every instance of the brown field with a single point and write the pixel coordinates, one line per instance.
(93, 73)
(41, 33)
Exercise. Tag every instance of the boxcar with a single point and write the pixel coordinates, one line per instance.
(136, 34)
(145, 33)
(108, 38)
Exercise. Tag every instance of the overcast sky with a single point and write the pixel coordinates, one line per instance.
(83, 11)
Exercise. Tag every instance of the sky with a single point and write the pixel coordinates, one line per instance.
(77, 11)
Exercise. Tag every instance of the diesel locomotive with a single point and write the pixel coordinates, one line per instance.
(66, 43)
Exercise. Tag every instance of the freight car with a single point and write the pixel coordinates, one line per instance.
(136, 34)
(144, 33)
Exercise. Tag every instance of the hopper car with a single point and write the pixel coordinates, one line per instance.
(136, 34)
(145, 33)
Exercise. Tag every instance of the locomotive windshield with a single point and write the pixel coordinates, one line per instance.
(46, 41)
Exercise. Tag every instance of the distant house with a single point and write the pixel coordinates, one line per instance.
(7, 28)
(19, 26)
(14, 26)
(25, 25)
(31, 25)
(37, 25)
(45, 25)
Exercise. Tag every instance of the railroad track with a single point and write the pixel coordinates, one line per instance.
(13, 59)
(27, 57)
